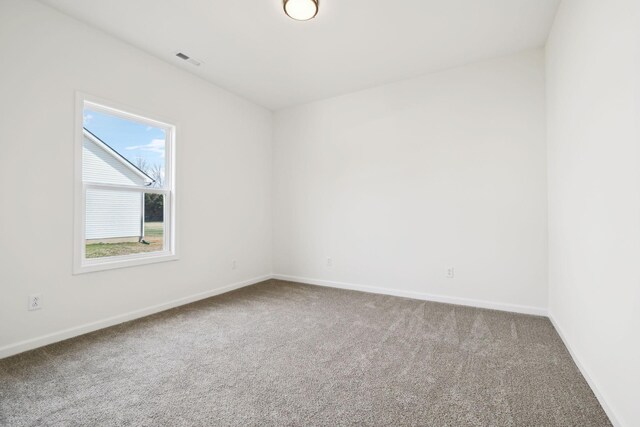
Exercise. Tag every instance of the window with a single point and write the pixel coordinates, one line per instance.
(125, 193)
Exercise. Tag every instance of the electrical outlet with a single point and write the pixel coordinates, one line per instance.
(35, 302)
(234, 264)
(450, 273)
(329, 262)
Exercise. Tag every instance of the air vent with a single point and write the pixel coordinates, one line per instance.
(187, 58)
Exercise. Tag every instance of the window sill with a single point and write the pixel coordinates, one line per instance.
(111, 263)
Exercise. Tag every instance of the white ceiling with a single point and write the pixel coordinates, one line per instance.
(252, 48)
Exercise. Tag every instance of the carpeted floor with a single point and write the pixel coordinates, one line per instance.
(280, 353)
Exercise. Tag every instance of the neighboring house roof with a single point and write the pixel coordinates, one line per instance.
(106, 147)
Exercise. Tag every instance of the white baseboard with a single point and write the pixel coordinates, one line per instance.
(43, 340)
(514, 308)
(30, 344)
(585, 374)
(64, 334)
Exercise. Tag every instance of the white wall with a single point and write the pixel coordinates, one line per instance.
(593, 71)
(223, 177)
(395, 184)
(400, 182)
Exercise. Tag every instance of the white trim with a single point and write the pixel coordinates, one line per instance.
(124, 187)
(585, 374)
(78, 187)
(12, 349)
(91, 265)
(170, 246)
(124, 111)
(64, 334)
(19, 347)
(514, 308)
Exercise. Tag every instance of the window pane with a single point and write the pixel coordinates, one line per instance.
(122, 222)
(122, 151)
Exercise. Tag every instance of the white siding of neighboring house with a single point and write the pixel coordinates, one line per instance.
(110, 214)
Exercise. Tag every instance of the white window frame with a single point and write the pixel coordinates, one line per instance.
(82, 264)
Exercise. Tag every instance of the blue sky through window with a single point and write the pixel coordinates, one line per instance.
(135, 141)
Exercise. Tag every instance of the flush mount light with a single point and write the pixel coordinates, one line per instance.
(301, 10)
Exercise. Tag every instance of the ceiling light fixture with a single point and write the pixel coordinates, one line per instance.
(301, 10)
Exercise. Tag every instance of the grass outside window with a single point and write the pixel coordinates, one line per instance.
(153, 242)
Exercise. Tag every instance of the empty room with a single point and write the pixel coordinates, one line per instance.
(320, 213)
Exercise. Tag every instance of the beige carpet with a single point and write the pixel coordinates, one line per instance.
(280, 353)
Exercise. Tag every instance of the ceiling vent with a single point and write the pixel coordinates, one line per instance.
(187, 58)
